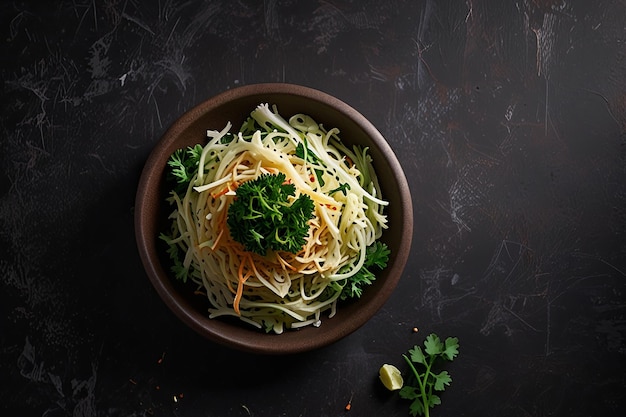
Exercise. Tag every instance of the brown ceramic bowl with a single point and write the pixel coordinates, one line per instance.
(235, 105)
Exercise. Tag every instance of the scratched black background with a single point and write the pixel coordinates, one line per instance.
(509, 118)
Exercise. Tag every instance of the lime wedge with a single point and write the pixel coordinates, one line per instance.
(391, 377)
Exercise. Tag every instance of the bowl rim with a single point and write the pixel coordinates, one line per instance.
(224, 333)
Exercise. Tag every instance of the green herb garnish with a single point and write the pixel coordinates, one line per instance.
(343, 188)
(304, 152)
(377, 255)
(184, 165)
(173, 250)
(429, 381)
(262, 218)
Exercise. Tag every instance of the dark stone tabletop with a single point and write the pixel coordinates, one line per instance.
(509, 118)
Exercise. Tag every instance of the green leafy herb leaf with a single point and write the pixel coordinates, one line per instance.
(183, 165)
(433, 345)
(434, 400)
(451, 348)
(343, 188)
(377, 255)
(179, 270)
(411, 393)
(417, 355)
(442, 379)
(304, 152)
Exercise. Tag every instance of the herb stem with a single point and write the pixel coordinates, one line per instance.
(430, 388)
(421, 383)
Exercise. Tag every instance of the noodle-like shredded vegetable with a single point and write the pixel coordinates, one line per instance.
(280, 290)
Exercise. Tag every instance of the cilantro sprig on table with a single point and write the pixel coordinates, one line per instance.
(262, 218)
(422, 364)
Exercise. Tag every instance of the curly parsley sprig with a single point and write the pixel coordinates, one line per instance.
(263, 218)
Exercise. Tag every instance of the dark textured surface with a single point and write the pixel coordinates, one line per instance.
(508, 117)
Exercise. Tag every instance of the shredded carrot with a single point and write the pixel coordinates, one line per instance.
(221, 225)
(253, 265)
(222, 192)
(239, 293)
(285, 264)
(217, 240)
(242, 280)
